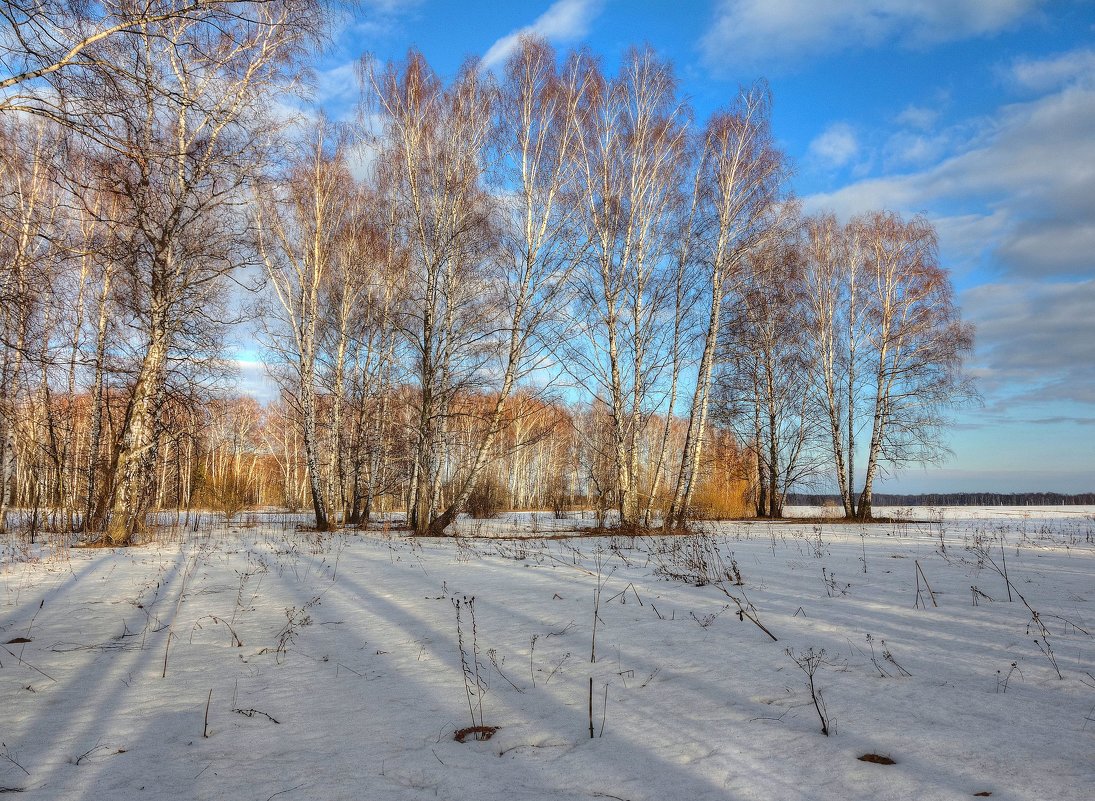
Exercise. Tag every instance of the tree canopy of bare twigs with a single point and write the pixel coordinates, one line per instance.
(548, 285)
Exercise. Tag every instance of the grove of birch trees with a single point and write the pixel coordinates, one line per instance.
(546, 287)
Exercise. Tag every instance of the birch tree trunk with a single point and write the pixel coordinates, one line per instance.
(137, 451)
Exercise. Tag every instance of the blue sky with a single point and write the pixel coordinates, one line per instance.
(978, 113)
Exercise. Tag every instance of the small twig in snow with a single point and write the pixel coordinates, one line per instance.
(283, 792)
(250, 713)
(5, 755)
(28, 664)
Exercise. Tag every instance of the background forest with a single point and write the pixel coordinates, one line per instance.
(543, 286)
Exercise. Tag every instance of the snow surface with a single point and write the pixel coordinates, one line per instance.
(350, 643)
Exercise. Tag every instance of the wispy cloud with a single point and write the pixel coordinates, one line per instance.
(372, 18)
(922, 118)
(564, 21)
(1052, 73)
(836, 146)
(1030, 167)
(780, 31)
(337, 86)
(908, 148)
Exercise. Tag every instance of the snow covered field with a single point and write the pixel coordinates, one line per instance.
(259, 662)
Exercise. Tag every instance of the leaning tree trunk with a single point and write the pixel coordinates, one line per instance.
(137, 451)
(697, 421)
(445, 519)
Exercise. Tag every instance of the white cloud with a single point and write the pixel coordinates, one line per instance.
(965, 236)
(1032, 166)
(905, 149)
(357, 24)
(920, 117)
(338, 85)
(564, 21)
(751, 31)
(1052, 73)
(836, 146)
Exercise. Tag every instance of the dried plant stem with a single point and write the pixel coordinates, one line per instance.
(1004, 567)
(591, 707)
(178, 603)
(920, 575)
(604, 714)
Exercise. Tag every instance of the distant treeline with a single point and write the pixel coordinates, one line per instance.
(956, 499)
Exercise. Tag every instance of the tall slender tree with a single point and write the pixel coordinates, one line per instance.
(763, 389)
(632, 153)
(300, 222)
(887, 343)
(185, 131)
(738, 196)
(433, 147)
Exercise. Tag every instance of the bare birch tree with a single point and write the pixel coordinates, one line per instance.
(433, 147)
(887, 344)
(30, 242)
(186, 153)
(833, 262)
(299, 225)
(918, 344)
(738, 204)
(535, 139)
(632, 152)
(55, 54)
(361, 345)
(764, 387)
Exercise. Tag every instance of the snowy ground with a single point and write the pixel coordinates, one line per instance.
(332, 669)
